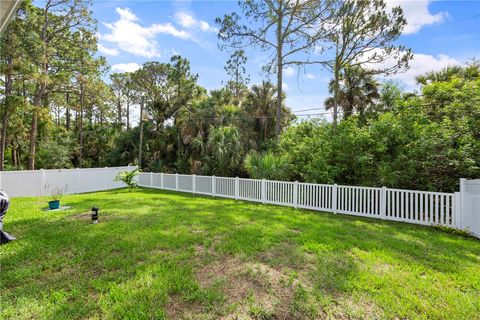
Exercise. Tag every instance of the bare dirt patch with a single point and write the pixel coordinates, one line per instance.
(87, 216)
(252, 290)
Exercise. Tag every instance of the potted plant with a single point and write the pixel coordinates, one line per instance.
(55, 194)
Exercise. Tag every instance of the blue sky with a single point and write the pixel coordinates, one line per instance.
(132, 32)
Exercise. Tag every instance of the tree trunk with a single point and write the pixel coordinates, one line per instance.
(80, 128)
(3, 138)
(336, 87)
(67, 113)
(335, 96)
(33, 135)
(140, 144)
(128, 114)
(278, 117)
(8, 91)
(119, 112)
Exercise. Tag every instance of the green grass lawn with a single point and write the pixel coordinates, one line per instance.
(158, 254)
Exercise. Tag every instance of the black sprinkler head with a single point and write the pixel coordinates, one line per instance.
(95, 215)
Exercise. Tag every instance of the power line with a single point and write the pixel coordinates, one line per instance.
(321, 108)
(451, 22)
(254, 117)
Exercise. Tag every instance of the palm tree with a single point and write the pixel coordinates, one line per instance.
(358, 92)
(223, 152)
(267, 166)
(261, 103)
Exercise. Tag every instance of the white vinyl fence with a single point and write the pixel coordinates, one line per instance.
(459, 210)
(419, 207)
(470, 206)
(34, 183)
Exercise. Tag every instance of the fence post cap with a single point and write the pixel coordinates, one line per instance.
(384, 187)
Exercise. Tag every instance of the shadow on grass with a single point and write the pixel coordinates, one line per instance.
(147, 243)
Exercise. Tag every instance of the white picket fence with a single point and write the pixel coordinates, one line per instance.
(420, 207)
(33, 183)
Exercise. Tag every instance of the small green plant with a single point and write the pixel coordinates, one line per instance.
(128, 177)
(56, 193)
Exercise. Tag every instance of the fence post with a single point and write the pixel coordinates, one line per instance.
(105, 183)
(194, 183)
(79, 179)
(295, 194)
(334, 198)
(383, 203)
(214, 186)
(151, 179)
(161, 180)
(461, 199)
(264, 196)
(237, 188)
(457, 207)
(176, 181)
(42, 186)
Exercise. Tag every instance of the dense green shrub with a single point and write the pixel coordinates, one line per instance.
(267, 166)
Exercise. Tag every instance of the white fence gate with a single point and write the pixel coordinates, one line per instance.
(470, 206)
(458, 210)
(32, 183)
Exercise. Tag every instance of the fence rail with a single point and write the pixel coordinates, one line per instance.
(420, 207)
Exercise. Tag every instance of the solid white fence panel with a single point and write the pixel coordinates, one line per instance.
(169, 181)
(28, 183)
(144, 179)
(203, 185)
(44, 182)
(470, 206)
(185, 182)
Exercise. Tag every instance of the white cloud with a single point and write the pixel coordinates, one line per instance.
(126, 67)
(189, 22)
(417, 14)
(134, 38)
(423, 63)
(108, 51)
(285, 87)
(420, 64)
(185, 20)
(310, 76)
(289, 71)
